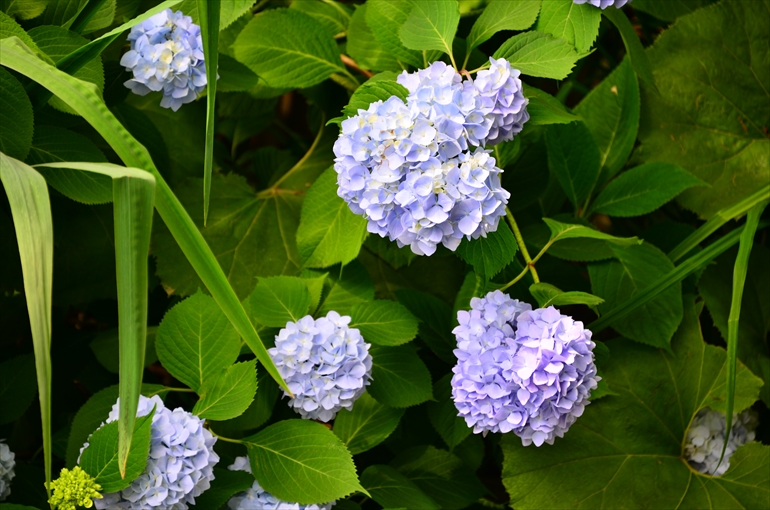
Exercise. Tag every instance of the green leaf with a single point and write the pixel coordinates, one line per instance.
(288, 48)
(611, 113)
(539, 54)
(503, 15)
(368, 424)
(635, 439)
(27, 9)
(302, 461)
(371, 92)
(17, 387)
(234, 76)
(574, 241)
(636, 54)
(391, 489)
(208, 15)
(229, 11)
(195, 341)
(280, 299)
(332, 15)
(444, 416)
(671, 9)
(385, 19)
(225, 485)
(711, 112)
(63, 12)
(545, 109)
(435, 318)
(399, 377)
(98, 14)
(353, 286)
(258, 412)
(364, 48)
(574, 158)
(9, 28)
(576, 24)
(328, 232)
(431, 25)
(619, 280)
(106, 348)
(549, 295)
(384, 322)
(489, 255)
(31, 209)
(100, 458)
(229, 394)
(16, 118)
(644, 189)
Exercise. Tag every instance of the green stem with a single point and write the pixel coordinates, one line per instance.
(225, 439)
(519, 277)
(522, 246)
(180, 390)
(346, 79)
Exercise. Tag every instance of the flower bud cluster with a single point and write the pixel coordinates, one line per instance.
(166, 55)
(706, 438)
(326, 364)
(180, 464)
(255, 498)
(73, 489)
(521, 370)
(418, 171)
(603, 4)
(7, 463)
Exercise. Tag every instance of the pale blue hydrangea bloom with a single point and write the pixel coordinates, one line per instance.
(326, 364)
(604, 3)
(255, 498)
(180, 464)
(706, 437)
(166, 55)
(7, 463)
(417, 171)
(521, 370)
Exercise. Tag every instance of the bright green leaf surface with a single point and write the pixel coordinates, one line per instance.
(431, 25)
(229, 11)
(364, 48)
(384, 322)
(195, 341)
(9, 28)
(385, 19)
(545, 109)
(576, 24)
(489, 255)
(229, 394)
(561, 231)
(371, 92)
(16, 118)
(27, 9)
(444, 416)
(332, 15)
(574, 158)
(302, 461)
(549, 295)
(503, 15)
(391, 489)
(258, 412)
(367, 425)
(280, 299)
(539, 54)
(399, 377)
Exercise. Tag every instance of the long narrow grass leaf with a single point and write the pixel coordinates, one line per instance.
(208, 14)
(84, 98)
(31, 210)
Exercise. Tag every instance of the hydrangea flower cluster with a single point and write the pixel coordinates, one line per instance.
(7, 463)
(603, 4)
(74, 488)
(706, 437)
(326, 364)
(418, 171)
(255, 498)
(180, 465)
(166, 54)
(521, 370)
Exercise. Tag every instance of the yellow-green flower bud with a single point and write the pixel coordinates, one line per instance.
(74, 488)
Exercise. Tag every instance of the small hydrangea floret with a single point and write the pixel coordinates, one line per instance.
(7, 463)
(166, 55)
(706, 438)
(521, 370)
(603, 4)
(419, 171)
(255, 497)
(74, 488)
(180, 464)
(325, 364)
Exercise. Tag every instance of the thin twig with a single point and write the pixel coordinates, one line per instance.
(353, 65)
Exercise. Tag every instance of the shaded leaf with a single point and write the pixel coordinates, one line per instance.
(278, 300)
(444, 416)
(384, 322)
(489, 255)
(368, 424)
(385, 18)
(16, 118)
(18, 387)
(391, 489)
(574, 158)
(229, 394)
(435, 318)
(576, 24)
(399, 377)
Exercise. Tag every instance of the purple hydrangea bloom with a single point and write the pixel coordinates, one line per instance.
(603, 4)
(7, 463)
(255, 498)
(166, 55)
(417, 171)
(326, 364)
(180, 465)
(706, 437)
(521, 370)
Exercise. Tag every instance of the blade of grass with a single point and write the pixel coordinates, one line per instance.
(719, 219)
(678, 274)
(31, 209)
(84, 98)
(208, 14)
(733, 321)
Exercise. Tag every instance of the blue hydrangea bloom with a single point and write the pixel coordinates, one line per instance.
(166, 55)
(706, 437)
(326, 364)
(180, 465)
(521, 370)
(7, 463)
(604, 3)
(255, 498)
(500, 94)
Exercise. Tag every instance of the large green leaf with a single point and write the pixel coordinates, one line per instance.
(574, 158)
(229, 394)
(384, 322)
(333, 16)
(711, 114)
(385, 18)
(364, 48)
(348, 287)
(545, 109)
(16, 118)
(9, 28)
(626, 449)
(368, 424)
(574, 241)
(539, 54)
(28, 9)
(444, 416)
(391, 489)
(611, 113)
(399, 377)
(503, 15)
(328, 232)
(280, 299)
(371, 92)
(302, 461)
(617, 281)
(195, 341)
(431, 25)
(31, 209)
(576, 24)
(288, 48)
(490, 254)
(17, 387)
